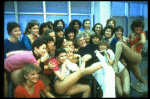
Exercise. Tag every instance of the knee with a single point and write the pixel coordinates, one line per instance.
(88, 88)
(119, 43)
(126, 94)
(48, 88)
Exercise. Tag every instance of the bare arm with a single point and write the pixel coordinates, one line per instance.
(48, 94)
(61, 74)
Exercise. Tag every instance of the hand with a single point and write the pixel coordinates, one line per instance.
(115, 67)
(65, 62)
(133, 48)
(44, 57)
(86, 57)
(51, 65)
(77, 55)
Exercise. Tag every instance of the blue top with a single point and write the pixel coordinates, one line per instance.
(26, 43)
(113, 44)
(9, 46)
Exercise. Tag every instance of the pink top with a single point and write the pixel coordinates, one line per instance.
(17, 61)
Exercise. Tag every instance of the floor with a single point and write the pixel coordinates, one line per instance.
(143, 67)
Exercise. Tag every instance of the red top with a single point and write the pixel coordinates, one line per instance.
(21, 92)
(50, 71)
(136, 40)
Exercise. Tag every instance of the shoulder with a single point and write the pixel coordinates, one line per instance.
(143, 33)
(40, 84)
(6, 42)
(19, 91)
(25, 37)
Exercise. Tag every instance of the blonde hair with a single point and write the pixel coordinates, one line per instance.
(103, 42)
(87, 32)
(68, 49)
(25, 71)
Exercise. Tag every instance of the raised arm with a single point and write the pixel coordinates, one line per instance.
(61, 74)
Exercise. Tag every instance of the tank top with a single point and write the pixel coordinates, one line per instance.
(136, 40)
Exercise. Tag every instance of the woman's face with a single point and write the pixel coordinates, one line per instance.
(71, 35)
(34, 30)
(45, 28)
(51, 26)
(16, 32)
(111, 23)
(41, 50)
(108, 33)
(71, 45)
(62, 57)
(87, 25)
(69, 54)
(52, 34)
(98, 29)
(102, 47)
(60, 34)
(60, 24)
(32, 77)
(50, 45)
(118, 33)
(138, 29)
(64, 44)
(81, 42)
(76, 26)
(95, 40)
(87, 37)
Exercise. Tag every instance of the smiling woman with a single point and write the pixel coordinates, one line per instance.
(30, 86)
(32, 29)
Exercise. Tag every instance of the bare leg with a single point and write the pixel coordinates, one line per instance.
(136, 71)
(130, 55)
(70, 80)
(79, 88)
(133, 58)
(125, 79)
(118, 87)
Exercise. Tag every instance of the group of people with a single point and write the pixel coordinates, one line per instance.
(52, 59)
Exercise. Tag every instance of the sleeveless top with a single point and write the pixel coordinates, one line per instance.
(136, 40)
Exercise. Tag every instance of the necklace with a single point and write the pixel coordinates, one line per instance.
(30, 90)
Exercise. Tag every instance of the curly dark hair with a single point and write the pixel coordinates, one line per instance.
(137, 23)
(110, 27)
(57, 21)
(117, 28)
(42, 26)
(68, 30)
(95, 35)
(93, 29)
(72, 23)
(11, 25)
